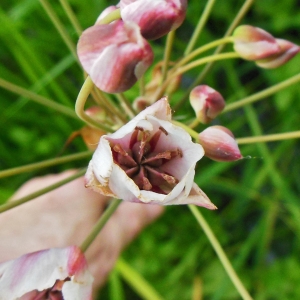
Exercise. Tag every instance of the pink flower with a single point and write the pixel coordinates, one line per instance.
(206, 102)
(49, 274)
(115, 55)
(148, 160)
(155, 17)
(219, 144)
(253, 43)
(287, 51)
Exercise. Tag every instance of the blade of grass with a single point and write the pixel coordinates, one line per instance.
(136, 281)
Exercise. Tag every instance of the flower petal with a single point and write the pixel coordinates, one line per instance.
(40, 270)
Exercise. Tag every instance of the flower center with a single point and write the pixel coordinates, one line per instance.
(143, 165)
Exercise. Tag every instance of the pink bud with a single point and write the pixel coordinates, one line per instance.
(287, 51)
(115, 55)
(206, 102)
(156, 18)
(253, 43)
(219, 144)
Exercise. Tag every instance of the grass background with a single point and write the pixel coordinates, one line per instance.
(258, 221)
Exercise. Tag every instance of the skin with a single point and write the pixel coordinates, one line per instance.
(65, 217)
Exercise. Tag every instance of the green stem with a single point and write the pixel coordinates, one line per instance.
(110, 106)
(269, 138)
(190, 131)
(37, 98)
(114, 15)
(263, 94)
(100, 224)
(202, 21)
(45, 164)
(59, 27)
(221, 254)
(80, 103)
(167, 54)
(202, 49)
(244, 9)
(136, 281)
(192, 65)
(142, 85)
(194, 123)
(43, 191)
(72, 17)
(131, 113)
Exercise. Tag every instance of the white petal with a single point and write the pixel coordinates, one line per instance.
(37, 271)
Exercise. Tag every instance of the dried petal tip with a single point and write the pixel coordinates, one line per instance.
(115, 55)
(253, 43)
(155, 18)
(206, 102)
(219, 144)
(287, 51)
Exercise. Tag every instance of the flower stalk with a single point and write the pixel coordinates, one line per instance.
(45, 164)
(263, 94)
(221, 253)
(100, 224)
(43, 191)
(80, 103)
(200, 25)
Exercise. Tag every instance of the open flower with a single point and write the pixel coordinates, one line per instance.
(148, 160)
(57, 273)
(155, 18)
(115, 55)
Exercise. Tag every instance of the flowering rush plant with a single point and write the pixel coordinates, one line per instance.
(148, 132)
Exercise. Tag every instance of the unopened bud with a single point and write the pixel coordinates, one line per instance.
(287, 51)
(206, 102)
(219, 144)
(253, 43)
(140, 103)
(155, 18)
(115, 55)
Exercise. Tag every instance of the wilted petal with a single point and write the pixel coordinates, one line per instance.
(253, 43)
(115, 55)
(49, 271)
(287, 51)
(219, 144)
(206, 102)
(164, 155)
(155, 18)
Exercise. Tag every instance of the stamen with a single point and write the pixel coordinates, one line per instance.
(163, 130)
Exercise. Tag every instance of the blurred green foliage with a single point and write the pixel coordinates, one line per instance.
(258, 221)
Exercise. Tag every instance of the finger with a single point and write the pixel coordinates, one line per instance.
(122, 227)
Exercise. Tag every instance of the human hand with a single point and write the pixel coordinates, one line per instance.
(65, 217)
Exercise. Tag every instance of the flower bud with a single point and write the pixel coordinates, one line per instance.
(206, 102)
(253, 43)
(155, 18)
(115, 55)
(219, 144)
(287, 51)
(141, 103)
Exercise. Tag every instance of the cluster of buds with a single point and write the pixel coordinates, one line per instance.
(256, 44)
(116, 55)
